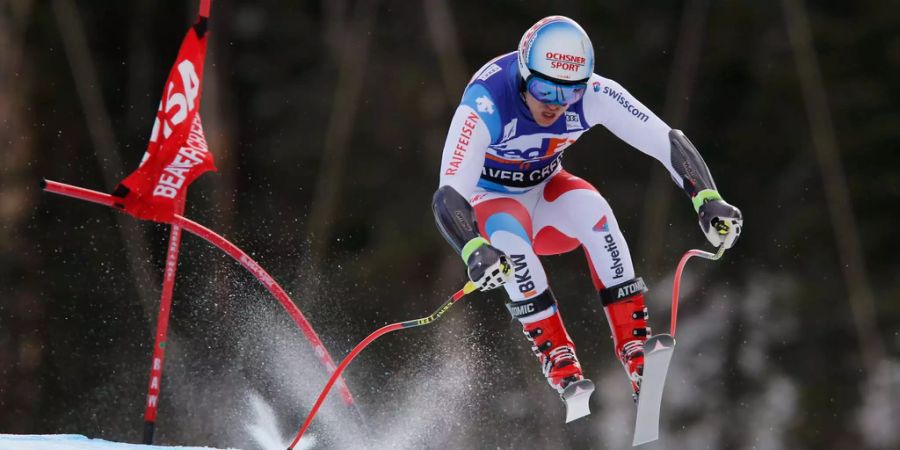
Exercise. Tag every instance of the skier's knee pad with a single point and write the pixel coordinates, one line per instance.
(537, 304)
(622, 291)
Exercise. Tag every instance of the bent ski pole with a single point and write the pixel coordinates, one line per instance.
(658, 352)
(468, 288)
(677, 283)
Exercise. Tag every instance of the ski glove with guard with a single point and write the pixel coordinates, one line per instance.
(719, 221)
(489, 267)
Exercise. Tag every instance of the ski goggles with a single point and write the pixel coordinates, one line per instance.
(554, 93)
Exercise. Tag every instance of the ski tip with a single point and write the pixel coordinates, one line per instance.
(658, 352)
(659, 342)
(577, 398)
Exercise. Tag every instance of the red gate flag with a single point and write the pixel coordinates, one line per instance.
(177, 152)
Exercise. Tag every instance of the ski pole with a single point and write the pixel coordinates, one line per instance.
(677, 283)
(468, 288)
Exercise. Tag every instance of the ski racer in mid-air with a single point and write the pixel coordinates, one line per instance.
(504, 197)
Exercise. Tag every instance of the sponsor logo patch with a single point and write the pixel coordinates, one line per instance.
(522, 310)
(623, 100)
(602, 225)
(510, 129)
(517, 177)
(573, 122)
(659, 346)
(523, 277)
(462, 144)
(489, 71)
(477, 198)
(616, 257)
(631, 288)
(565, 61)
(484, 104)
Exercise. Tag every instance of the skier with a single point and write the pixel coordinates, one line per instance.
(504, 197)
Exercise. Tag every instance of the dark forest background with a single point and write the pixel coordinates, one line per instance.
(327, 120)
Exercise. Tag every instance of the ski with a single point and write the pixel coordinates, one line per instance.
(577, 398)
(657, 354)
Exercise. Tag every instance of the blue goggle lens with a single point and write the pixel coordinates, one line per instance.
(546, 91)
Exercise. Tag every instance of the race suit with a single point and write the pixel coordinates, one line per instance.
(510, 169)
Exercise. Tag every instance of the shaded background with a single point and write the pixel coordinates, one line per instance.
(327, 121)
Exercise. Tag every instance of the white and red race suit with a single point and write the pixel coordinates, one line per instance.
(510, 169)
(502, 180)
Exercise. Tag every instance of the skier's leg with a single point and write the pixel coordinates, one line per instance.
(570, 208)
(506, 223)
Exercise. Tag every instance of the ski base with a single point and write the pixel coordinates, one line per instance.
(577, 398)
(657, 355)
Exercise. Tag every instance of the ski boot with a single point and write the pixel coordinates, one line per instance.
(556, 353)
(627, 315)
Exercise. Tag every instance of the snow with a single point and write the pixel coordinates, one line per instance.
(73, 442)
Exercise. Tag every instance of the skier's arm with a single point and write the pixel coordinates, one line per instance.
(455, 217)
(488, 267)
(607, 103)
(719, 221)
(464, 149)
(472, 129)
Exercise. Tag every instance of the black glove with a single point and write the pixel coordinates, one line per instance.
(720, 222)
(489, 267)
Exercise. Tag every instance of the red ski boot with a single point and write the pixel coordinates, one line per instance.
(555, 351)
(627, 315)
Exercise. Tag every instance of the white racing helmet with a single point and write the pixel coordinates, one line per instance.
(556, 48)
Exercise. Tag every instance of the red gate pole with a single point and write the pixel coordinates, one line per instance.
(165, 302)
(162, 329)
(234, 252)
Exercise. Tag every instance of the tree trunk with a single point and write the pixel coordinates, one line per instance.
(88, 86)
(22, 322)
(837, 194)
(354, 49)
(683, 75)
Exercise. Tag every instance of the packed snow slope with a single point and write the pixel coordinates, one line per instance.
(73, 442)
